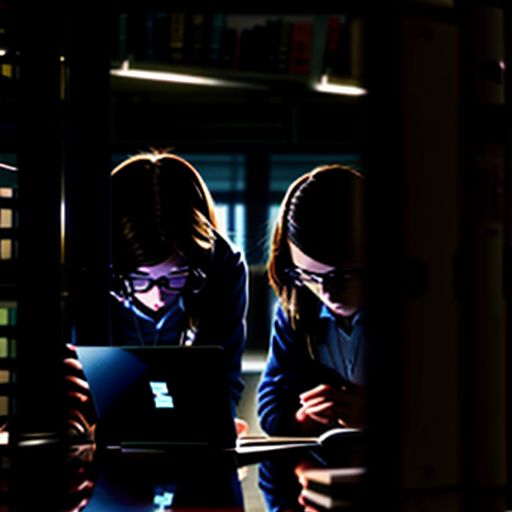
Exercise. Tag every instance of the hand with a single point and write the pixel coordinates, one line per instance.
(300, 468)
(333, 406)
(80, 478)
(78, 388)
(242, 427)
(79, 414)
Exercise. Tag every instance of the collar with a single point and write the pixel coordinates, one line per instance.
(178, 305)
(358, 318)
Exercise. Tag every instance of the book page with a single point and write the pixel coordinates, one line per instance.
(329, 435)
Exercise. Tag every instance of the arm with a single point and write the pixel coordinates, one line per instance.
(223, 314)
(80, 411)
(298, 396)
(287, 374)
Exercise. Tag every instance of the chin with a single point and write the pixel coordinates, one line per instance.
(342, 310)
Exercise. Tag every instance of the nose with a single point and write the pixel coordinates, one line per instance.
(337, 292)
(155, 298)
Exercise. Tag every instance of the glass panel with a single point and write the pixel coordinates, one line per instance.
(221, 172)
(5, 218)
(221, 211)
(5, 249)
(4, 405)
(4, 347)
(239, 237)
(273, 210)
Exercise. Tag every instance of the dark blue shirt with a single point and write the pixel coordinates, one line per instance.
(341, 350)
(293, 367)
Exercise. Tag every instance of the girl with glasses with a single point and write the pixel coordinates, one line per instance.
(176, 280)
(314, 375)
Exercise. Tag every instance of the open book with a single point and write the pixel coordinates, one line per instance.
(255, 443)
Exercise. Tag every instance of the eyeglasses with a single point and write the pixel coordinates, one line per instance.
(300, 276)
(177, 280)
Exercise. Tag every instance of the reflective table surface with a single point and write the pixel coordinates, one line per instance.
(52, 477)
(45, 475)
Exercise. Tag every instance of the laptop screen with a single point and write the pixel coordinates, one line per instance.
(151, 396)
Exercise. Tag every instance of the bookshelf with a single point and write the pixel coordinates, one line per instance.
(300, 45)
(249, 98)
(254, 100)
(487, 210)
(264, 107)
(419, 139)
(259, 76)
(9, 75)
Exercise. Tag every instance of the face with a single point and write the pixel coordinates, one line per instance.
(340, 290)
(157, 286)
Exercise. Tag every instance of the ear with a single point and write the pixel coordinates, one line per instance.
(197, 280)
(119, 287)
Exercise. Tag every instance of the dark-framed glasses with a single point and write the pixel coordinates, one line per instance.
(191, 279)
(300, 276)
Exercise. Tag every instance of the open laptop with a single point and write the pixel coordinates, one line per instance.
(159, 397)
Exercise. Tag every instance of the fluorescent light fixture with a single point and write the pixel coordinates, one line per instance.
(345, 89)
(62, 229)
(8, 167)
(178, 78)
(35, 442)
(125, 71)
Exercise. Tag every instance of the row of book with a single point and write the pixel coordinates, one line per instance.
(238, 42)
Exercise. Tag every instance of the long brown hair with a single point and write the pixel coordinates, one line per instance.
(332, 184)
(160, 205)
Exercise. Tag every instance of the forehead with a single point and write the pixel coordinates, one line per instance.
(302, 260)
(174, 262)
(305, 262)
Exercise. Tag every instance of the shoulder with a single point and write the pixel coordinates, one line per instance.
(361, 317)
(224, 245)
(280, 314)
(282, 326)
(226, 253)
(226, 271)
(309, 313)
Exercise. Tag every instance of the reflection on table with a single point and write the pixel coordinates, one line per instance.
(286, 487)
(49, 476)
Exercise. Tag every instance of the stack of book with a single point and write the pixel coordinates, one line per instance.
(332, 488)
